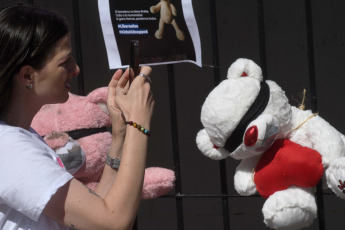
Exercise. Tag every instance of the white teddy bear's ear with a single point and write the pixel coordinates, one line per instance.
(207, 147)
(244, 68)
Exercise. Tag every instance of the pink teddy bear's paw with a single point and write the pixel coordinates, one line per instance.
(157, 182)
(68, 150)
(56, 140)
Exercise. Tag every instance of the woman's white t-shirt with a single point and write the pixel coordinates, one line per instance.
(30, 174)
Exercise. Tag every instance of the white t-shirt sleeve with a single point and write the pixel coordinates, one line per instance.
(29, 173)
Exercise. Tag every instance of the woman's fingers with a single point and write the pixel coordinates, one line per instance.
(113, 83)
(121, 86)
(115, 78)
(124, 79)
(127, 86)
(144, 74)
(137, 100)
(146, 70)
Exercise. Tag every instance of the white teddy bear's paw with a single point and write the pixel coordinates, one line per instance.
(244, 176)
(335, 177)
(207, 147)
(293, 208)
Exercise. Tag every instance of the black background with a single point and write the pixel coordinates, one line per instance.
(153, 50)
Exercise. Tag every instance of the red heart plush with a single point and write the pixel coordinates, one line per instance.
(287, 163)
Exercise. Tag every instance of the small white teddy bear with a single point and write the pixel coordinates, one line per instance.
(284, 151)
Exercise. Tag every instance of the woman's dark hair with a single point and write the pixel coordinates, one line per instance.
(28, 35)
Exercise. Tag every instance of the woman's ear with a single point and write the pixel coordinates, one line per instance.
(26, 75)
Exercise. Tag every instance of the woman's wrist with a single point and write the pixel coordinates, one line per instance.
(119, 137)
(116, 147)
(119, 130)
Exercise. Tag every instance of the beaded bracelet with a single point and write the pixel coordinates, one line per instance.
(139, 127)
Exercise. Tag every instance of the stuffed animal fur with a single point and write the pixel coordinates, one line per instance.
(78, 131)
(284, 151)
(167, 14)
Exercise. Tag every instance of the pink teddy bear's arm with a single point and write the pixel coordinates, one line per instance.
(157, 182)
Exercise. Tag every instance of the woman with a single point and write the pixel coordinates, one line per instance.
(36, 192)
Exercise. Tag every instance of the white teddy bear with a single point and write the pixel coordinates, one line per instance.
(284, 151)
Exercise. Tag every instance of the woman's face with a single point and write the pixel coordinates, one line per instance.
(52, 82)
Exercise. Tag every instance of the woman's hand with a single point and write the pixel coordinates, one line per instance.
(135, 103)
(118, 121)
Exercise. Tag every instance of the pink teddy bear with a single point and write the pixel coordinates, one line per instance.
(79, 132)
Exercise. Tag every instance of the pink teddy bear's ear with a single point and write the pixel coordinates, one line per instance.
(98, 95)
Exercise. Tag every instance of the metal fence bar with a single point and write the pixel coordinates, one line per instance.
(78, 51)
(214, 33)
(224, 190)
(330, 193)
(312, 82)
(262, 39)
(216, 76)
(175, 145)
(311, 60)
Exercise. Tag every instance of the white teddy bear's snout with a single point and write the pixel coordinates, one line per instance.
(208, 148)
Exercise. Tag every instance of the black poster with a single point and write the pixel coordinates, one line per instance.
(166, 30)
